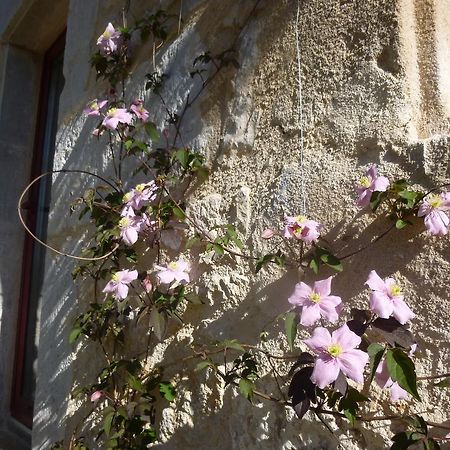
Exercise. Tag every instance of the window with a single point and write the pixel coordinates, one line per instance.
(37, 207)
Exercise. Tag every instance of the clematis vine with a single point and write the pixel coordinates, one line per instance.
(118, 285)
(141, 195)
(336, 353)
(175, 271)
(384, 380)
(108, 40)
(369, 184)
(316, 302)
(387, 299)
(433, 210)
(301, 228)
(138, 109)
(93, 108)
(114, 116)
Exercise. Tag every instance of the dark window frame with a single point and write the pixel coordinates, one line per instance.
(21, 408)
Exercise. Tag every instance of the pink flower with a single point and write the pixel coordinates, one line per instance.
(118, 286)
(138, 109)
(336, 352)
(383, 379)
(93, 108)
(368, 184)
(175, 271)
(387, 299)
(301, 228)
(109, 40)
(114, 116)
(436, 220)
(97, 395)
(141, 195)
(316, 301)
(129, 229)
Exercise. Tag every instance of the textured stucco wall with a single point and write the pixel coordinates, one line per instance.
(375, 85)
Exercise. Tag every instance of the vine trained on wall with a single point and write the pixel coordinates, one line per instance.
(149, 222)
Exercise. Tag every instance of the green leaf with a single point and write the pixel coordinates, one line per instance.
(400, 223)
(179, 213)
(401, 369)
(418, 423)
(203, 365)
(409, 197)
(246, 388)
(75, 334)
(182, 156)
(404, 440)
(314, 265)
(349, 403)
(218, 249)
(445, 383)
(167, 390)
(375, 352)
(152, 132)
(290, 324)
(135, 383)
(107, 423)
(431, 444)
(329, 259)
(234, 344)
(376, 199)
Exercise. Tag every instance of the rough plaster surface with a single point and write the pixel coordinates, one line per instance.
(375, 82)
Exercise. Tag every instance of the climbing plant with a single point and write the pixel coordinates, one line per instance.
(140, 266)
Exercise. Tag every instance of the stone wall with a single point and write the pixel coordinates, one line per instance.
(375, 79)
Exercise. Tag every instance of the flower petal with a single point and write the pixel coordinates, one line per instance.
(402, 312)
(345, 338)
(381, 304)
(301, 293)
(380, 184)
(352, 364)
(319, 341)
(323, 287)
(127, 276)
(325, 372)
(329, 310)
(437, 222)
(397, 392)
(310, 314)
(375, 282)
(122, 291)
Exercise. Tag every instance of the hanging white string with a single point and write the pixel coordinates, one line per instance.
(300, 141)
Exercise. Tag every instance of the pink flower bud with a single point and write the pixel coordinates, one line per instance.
(97, 395)
(148, 286)
(268, 233)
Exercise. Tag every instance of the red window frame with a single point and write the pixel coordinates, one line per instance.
(22, 408)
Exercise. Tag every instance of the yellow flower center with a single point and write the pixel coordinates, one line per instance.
(298, 231)
(396, 290)
(435, 201)
(106, 34)
(140, 187)
(127, 197)
(111, 112)
(173, 266)
(115, 277)
(315, 297)
(124, 222)
(364, 182)
(334, 350)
